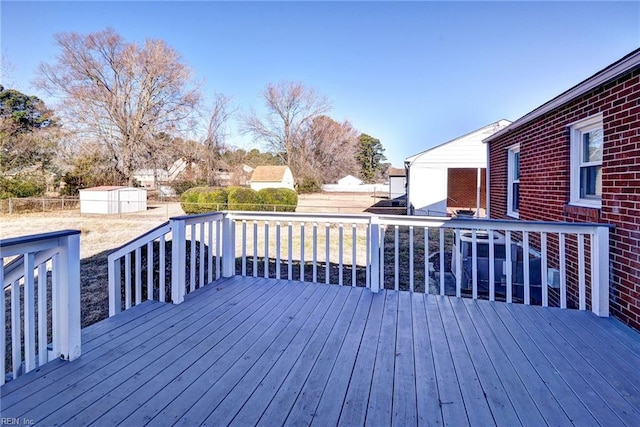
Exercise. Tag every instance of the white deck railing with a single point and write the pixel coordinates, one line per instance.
(40, 300)
(188, 252)
(568, 263)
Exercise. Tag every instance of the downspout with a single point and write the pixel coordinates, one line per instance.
(478, 187)
(407, 166)
(487, 209)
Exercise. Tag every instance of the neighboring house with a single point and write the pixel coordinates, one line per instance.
(152, 178)
(450, 175)
(577, 159)
(397, 182)
(349, 180)
(112, 200)
(272, 177)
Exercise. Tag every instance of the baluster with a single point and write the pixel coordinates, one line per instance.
(127, 281)
(315, 252)
(162, 274)
(543, 267)
(441, 242)
(492, 265)
(16, 329)
(138, 275)
(43, 356)
(192, 258)
(508, 265)
(266, 249)
(354, 261)
(458, 256)
(290, 251)
(255, 248)
(474, 264)
(327, 240)
(396, 258)
(3, 338)
(340, 249)
(302, 251)
(150, 270)
(219, 250)
(278, 249)
(525, 267)
(563, 271)
(582, 286)
(29, 313)
(411, 258)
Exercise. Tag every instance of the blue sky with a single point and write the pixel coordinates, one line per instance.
(413, 74)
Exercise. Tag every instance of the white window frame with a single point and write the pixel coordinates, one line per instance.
(511, 179)
(577, 130)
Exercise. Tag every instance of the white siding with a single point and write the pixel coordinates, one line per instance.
(427, 185)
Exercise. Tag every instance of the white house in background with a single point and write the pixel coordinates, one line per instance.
(349, 181)
(451, 175)
(112, 200)
(397, 182)
(271, 177)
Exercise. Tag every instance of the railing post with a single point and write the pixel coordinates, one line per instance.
(67, 323)
(178, 260)
(374, 270)
(115, 286)
(228, 247)
(600, 272)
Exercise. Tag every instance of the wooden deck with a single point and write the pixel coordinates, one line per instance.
(247, 351)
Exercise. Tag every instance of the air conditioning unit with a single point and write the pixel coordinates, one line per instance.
(499, 264)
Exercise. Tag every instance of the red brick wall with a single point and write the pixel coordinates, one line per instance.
(544, 180)
(462, 186)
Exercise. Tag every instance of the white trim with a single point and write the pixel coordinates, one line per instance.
(511, 151)
(577, 129)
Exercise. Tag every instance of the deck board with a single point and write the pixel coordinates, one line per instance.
(253, 351)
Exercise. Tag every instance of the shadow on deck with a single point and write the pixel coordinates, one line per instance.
(247, 350)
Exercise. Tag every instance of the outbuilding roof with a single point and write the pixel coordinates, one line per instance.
(269, 173)
(104, 188)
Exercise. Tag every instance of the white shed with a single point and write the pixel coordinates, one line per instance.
(349, 181)
(112, 200)
(450, 175)
(271, 177)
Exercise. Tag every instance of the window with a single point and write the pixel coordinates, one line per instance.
(586, 162)
(513, 190)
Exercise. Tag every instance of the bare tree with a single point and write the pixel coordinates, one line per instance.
(217, 134)
(118, 93)
(328, 150)
(290, 108)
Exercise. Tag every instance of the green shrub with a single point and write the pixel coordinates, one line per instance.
(181, 186)
(279, 199)
(21, 187)
(243, 199)
(309, 185)
(203, 199)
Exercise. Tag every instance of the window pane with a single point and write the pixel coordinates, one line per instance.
(591, 181)
(516, 165)
(516, 197)
(592, 146)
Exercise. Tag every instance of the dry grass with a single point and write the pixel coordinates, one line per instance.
(100, 234)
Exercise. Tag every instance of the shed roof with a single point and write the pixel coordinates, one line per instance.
(623, 65)
(397, 172)
(104, 188)
(269, 173)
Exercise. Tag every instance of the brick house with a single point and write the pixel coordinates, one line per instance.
(577, 159)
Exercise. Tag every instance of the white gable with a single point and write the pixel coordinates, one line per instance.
(467, 151)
